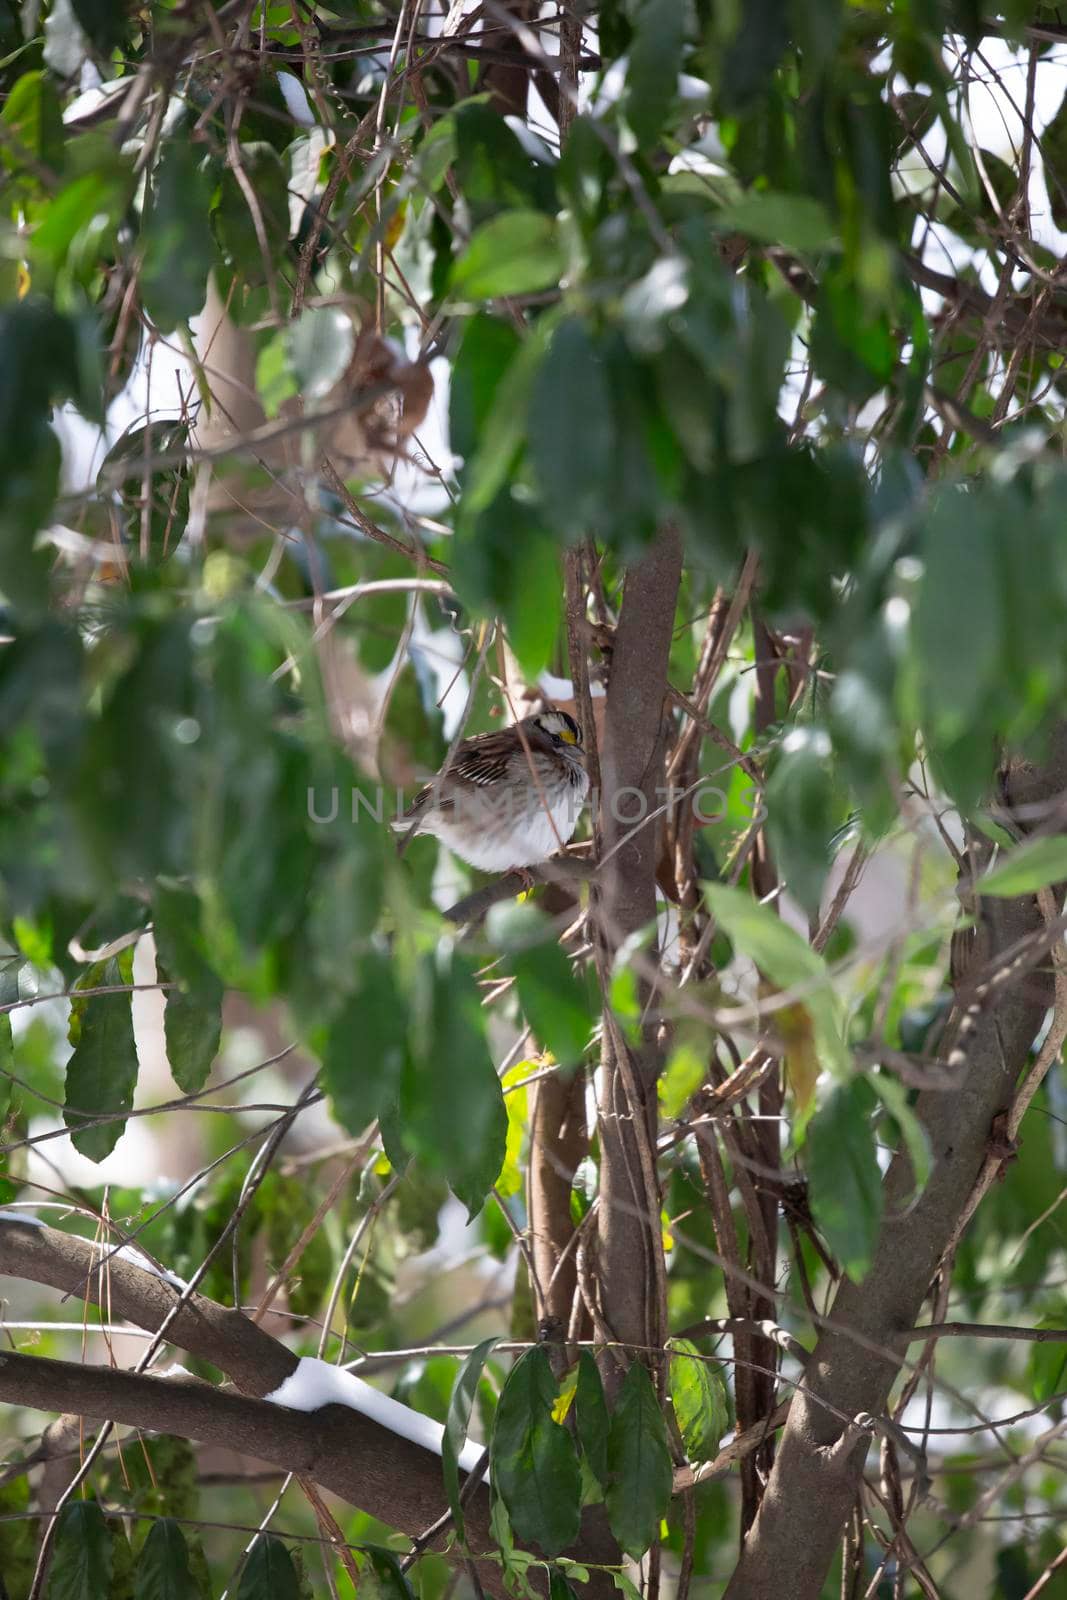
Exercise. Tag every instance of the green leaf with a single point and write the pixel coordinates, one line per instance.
(18, 1541)
(192, 1013)
(1031, 866)
(959, 614)
(504, 430)
(654, 64)
(385, 1580)
(162, 1571)
(232, 218)
(685, 1071)
(290, 1205)
(533, 609)
(517, 253)
(102, 1071)
(552, 999)
(1048, 1364)
(558, 1587)
(178, 247)
(81, 1554)
(9, 994)
(916, 1140)
(794, 220)
(192, 1028)
(488, 347)
(844, 1180)
(33, 120)
(344, 902)
(591, 1412)
(363, 1054)
(639, 1464)
(321, 343)
(699, 1398)
(853, 343)
(104, 22)
(791, 964)
(1054, 152)
(269, 1573)
(452, 1114)
(458, 1421)
(535, 1468)
(801, 813)
(571, 430)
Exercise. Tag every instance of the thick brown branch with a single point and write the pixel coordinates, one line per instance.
(632, 768)
(393, 1479)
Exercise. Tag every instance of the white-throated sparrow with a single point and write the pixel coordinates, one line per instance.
(511, 797)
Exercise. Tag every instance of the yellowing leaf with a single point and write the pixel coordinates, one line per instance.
(565, 1398)
(515, 1103)
(801, 1057)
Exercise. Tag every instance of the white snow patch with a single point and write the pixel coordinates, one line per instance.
(318, 1383)
(129, 1252)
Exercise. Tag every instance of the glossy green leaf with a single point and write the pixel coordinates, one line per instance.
(517, 253)
(458, 1421)
(102, 1071)
(1030, 866)
(698, 1395)
(81, 1554)
(844, 1179)
(163, 1571)
(269, 1573)
(591, 1413)
(535, 1468)
(639, 1464)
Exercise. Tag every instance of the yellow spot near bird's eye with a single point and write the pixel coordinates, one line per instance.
(567, 736)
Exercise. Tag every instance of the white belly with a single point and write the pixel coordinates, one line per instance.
(494, 842)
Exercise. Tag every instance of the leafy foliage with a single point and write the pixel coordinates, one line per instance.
(777, 280)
